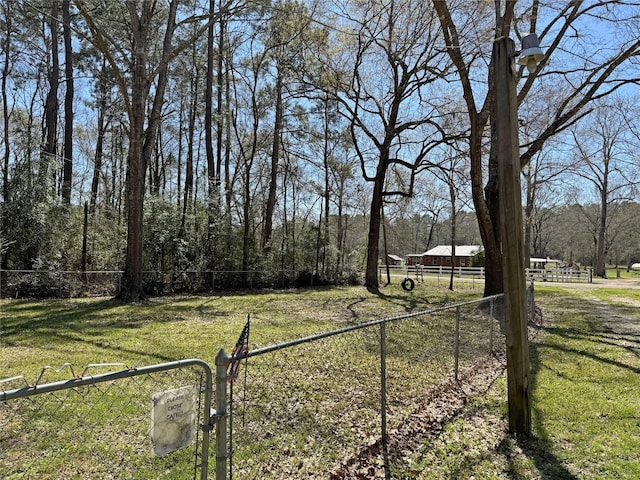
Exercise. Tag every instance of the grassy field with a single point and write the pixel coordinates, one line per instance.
(584, 382)
(90, 330)
(80, 332)
(613, 272)
(585, 405)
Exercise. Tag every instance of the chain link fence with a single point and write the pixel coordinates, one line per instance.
(68, 284)
(313, 405)
(308, 407)
(120, 424)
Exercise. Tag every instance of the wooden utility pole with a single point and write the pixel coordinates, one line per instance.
(511, 236)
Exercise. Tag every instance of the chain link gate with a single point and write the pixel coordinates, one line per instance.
(88, 425)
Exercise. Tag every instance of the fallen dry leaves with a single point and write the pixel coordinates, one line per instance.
(444, 404)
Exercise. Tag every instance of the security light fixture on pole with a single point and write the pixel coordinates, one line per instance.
(511, 224)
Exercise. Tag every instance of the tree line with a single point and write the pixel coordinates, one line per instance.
(289, 136)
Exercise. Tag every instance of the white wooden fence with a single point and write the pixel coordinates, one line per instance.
(536, 274)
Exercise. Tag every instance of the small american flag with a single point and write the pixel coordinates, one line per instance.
(242, 346)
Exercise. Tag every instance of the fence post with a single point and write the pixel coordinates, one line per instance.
(206, 426)
(383, 381)
(532, 296)
(457, 342)
(383, 399)
(491, 325)
(221, 415)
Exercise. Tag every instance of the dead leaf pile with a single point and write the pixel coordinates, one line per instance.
(443, 404)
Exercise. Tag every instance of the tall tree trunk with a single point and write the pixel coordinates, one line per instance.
(85, 231)
(67, 165)
(600, 269)
(179, 159)
(102, 127)
(135, 182)
(325, 157)
(454, 214)
(293, 249)
(273, 177)
(489, 221)
(142, 141)
(6, 193)
(341, 231)
(132, 289)
(490, 197)
(228, 191)
(212, 172)
(371, 272)
(6, 47)
(220, 107)
(247, 242)
(51, 107)
(223, 134)
(188, 179)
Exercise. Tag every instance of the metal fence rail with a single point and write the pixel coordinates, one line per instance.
(99, 425)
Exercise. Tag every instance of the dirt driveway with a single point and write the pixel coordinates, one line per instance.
(632, 283)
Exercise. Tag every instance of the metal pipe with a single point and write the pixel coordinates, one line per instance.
(104, 377)
(222, 361)
(457, 343)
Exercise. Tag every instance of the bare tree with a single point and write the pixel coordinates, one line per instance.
(386, 101)
(583, 74)
(287, 30)
(606, 165)
(246, 128)
(452, 175)
(541, 196)
(539, 177)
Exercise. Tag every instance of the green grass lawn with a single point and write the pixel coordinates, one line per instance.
(584, 381)
(613, 272)
(585, 378)
(90, 330)
(65, 435)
